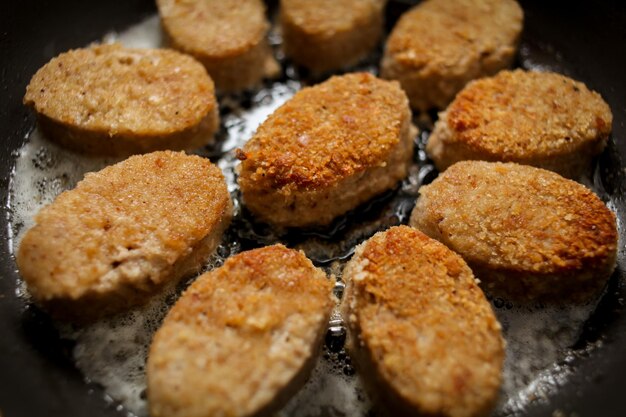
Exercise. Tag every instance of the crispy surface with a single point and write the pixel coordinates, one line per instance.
(330, 34)
(329, 16)
(225, 35)
(439, 45)
(124, 232)
(217, 28)
(422, 326)
(125, 94)
(527, 230)
(326, 133)
(533, 118)
(239, 336)
(325, 137)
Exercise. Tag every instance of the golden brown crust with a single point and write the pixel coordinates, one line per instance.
(239, 336)
(328, 138)
(330, 34)
(123, 233)
(112, 100)
(326, 133)
(421, 328)
(525, 231)
(440, 45)
(533, 118)
(227, 36)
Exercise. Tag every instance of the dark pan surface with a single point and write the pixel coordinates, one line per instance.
(585, 40)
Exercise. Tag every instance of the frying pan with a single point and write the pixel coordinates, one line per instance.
(585, 40)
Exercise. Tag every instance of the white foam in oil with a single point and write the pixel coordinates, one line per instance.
(112, 352)
(329, 392)
(42, 171)
(538, 340)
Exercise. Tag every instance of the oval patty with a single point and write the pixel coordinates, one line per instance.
(526, 232)
(242, 338)
(227, 36)
(440, 45)
(111, 100)
(123, 233)
(330, 34)
(327, 150)
(534, 118)
(421, 330)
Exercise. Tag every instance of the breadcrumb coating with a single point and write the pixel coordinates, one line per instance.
(227, 36)
(330, 34)
(114, 100)
(123, 233)
(328, 149)
(421, 327)
(326, 133)
(242, 338)
(525, 232)
(440, 45)
(534, 118)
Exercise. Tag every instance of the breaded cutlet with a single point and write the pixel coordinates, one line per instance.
(327, 35)
(440, 45)
(229, 37)
(533, 118)
(330, 148)
(242, 338)
(527, 233)
(422, 332)
(124, 233)
(111, 100)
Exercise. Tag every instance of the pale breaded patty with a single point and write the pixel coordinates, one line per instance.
(533, 118)
(123, 233)
(327, 150)
(227, 36)
(326, 35)
(440, 45)
(421, 329)
(242, 339)
(526, 232)
(111, 100)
